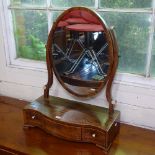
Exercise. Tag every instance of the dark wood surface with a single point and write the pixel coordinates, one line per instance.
(13, 138)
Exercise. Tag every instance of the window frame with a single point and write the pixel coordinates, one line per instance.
(13, 62)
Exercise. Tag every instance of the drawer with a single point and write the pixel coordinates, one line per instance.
(94, 136)
(63, 130)
(33, 118)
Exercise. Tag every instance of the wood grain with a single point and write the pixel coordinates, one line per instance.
(72, 120)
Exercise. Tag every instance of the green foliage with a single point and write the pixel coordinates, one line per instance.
(36, 50)
(70, 3)
(132, 32)
(30, 34)
(28, 2)
(153, 58)
(125, 3)
(81, 3)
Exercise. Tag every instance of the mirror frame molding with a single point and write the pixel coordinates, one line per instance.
(113, 59)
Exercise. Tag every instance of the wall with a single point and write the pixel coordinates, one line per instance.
(134, 95)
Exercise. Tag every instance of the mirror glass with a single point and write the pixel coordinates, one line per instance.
(81, 51)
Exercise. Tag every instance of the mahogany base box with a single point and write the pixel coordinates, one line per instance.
(72, 120)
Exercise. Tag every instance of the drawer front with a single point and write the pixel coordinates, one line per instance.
(63, 130)
(94, 136)
(33, 118)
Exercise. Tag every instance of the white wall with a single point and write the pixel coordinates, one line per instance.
(135, 95)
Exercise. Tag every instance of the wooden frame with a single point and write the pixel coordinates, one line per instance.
(113, 54)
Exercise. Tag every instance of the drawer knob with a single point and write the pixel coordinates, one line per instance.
(93, 135)
(57, 117)
(115, 124)
(33, 117)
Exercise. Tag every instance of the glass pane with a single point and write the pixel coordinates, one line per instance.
(55, 15)
(132, 30)
(29, 2)
(126, 3)
(153, 58)
(30, 30)
(70, 3)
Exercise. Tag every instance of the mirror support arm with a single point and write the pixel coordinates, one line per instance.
(50, 73)
(113, 71)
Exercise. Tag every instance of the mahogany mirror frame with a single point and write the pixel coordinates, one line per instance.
(113, 59)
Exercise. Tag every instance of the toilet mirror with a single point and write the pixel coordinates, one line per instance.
(81, 51)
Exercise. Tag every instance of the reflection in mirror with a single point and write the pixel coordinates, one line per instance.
(80, 52)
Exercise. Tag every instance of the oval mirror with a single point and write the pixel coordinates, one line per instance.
(82, 51)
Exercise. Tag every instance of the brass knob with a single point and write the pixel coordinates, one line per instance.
(33, 117)
(93, 135)
(57, 117)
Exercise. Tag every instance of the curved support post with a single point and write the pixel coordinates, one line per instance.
(50, 73)
(113, 71)
(49, 61)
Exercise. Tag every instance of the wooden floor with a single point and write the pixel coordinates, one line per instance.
(16, 140)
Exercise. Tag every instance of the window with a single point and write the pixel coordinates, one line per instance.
(134, 25)
(134, 22)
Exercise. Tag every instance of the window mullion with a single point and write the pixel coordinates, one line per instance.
(126, 10)
(49, 19)
(49, 15)
(48, 3)
(150, 45)
(27, 8)
(96, 4)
